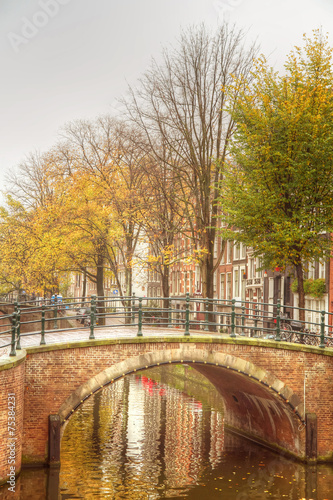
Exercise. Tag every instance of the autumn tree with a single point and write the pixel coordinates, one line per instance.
(31, 228)
(105, 150)
(279, 189)
(179, 102)
(32, 256)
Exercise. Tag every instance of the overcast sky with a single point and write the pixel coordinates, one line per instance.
(67, 59)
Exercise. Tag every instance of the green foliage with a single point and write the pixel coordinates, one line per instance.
(278, 192)
(315, 288)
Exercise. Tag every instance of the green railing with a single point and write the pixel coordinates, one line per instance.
(187, 314)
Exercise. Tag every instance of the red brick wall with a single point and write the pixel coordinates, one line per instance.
(291, 367)
(11, 383)
(52, 376)
(49, 377)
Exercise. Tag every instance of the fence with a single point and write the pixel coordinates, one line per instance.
(219, 317)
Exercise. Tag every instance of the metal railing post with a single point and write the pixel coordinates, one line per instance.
(322, 330)
(233, 315)
(255, 320)
(278, 318)
(18, 325)
(12, 350)
(133, 309)
(170, 314)
(243, 321)
(139, 334)
(187, 315)
(92, 316)
(206, 329)
(42, 340)
(18, 329)
(55, 317)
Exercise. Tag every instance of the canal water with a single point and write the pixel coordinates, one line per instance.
(160, 434)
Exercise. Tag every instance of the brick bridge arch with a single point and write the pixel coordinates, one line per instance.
(258, 405)
(262, 383)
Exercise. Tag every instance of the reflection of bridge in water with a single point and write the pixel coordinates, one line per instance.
(277, 393)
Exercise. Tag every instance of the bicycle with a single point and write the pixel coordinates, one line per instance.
(286, 330)
(295, 331)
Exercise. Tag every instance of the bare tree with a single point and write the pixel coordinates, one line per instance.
(162, 220)
(184, 102)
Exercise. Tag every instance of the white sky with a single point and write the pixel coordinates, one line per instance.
(76, 62)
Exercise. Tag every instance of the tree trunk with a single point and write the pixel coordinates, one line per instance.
(207, 273)
(100, 289)
(300, 291)
(166, 291)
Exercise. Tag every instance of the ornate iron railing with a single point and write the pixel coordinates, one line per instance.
(220, 317)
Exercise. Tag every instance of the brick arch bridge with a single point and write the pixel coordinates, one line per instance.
(261, 382)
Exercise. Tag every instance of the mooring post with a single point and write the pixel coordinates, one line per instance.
(54, 440)
(311, 436)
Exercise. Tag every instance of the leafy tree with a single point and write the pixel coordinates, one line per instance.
(32, 254)
(278, 194)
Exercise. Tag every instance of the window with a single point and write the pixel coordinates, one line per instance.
(229, 251)
(191, 283)
(251, 267)
(222, 286)
(228, 294)
(236, 283)
(258, 265)
(311, 270)
(243, 251)
(242, 283)
(237, 251)
(322, 270)
(197, 279)
(224, 252)
(215, 248)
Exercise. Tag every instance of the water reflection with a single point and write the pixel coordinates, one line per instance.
(142, 439)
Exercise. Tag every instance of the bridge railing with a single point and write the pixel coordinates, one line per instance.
(219, 317)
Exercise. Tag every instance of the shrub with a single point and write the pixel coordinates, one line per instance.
(315, 288)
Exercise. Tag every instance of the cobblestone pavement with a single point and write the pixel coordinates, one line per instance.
(115, 331)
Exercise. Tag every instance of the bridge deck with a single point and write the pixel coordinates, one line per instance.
(100, 333)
